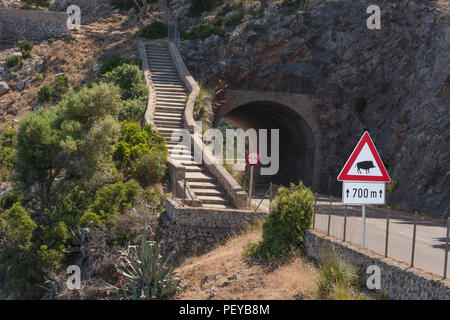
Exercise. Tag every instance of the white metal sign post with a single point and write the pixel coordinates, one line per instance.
(364, 179)
(252, 160)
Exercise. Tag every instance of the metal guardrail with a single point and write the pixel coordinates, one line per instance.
(386, 249)
(172, 28)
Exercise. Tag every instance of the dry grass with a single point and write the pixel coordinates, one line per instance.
(224, 274)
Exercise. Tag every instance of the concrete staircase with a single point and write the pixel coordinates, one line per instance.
(171, 97)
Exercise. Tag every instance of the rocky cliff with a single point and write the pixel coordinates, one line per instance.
(393, 82)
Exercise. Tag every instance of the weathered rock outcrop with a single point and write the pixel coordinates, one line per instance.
(394, 82)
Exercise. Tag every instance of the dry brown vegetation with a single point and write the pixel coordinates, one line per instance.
(224, 274)
(76, 57)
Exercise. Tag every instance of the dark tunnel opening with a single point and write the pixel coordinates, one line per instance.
(296, 143)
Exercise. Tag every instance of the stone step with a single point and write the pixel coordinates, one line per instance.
(203, 185)
(176, 100)
(168, 117)
(166, 81)
(212, 200)
(176, 125)
(208, 192)
(162, 69)
(179, 152)
(171, 104)
(199, 177)
(217, 206)
(168, 90)
(159, 64)
(169, 109)
(165, 73)
(165, 76)
(169, 86)
(194, 168)
(179, 157)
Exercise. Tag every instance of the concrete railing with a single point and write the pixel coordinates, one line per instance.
(232, 188)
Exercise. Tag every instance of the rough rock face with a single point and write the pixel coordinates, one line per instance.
(394, 82)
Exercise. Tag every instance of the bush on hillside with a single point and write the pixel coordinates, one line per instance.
(201, 31)
(155, 30)
(200, 6)
(112, 62)
(111, 200)
(289, 218)
(55, 91)
(130, 79)
(13, 61)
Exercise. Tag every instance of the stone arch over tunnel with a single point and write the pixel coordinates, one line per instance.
(292, 114)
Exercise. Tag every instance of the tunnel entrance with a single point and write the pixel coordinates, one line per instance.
(296, 144)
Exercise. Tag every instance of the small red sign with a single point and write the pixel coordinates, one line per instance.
(364, 164)
(252, 158)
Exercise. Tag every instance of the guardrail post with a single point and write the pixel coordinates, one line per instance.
(386, 243)
(446, 249)
(184, 191)
(329, 218)
(414, 240)
(345, 223)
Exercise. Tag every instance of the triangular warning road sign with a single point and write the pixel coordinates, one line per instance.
(364, 164)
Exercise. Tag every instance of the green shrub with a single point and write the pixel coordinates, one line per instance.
(111, 200)
(155, 30)
(200, 6)
(25, 45)
(113, 62)
(220, 21)
(235, 20)
(45, 93)
(60, 87)
(230, 6)
(37, 77)
(13, 61)
(293, 3)
(132, 110)
(202, 31)
(130, 79)
(289, 218)
(7, 151)
(146, 274)
(10, 198)
(16, 227)
(37, 3)
(150, 168)
(54, 92)
(338, 279)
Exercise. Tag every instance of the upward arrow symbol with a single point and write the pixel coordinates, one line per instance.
(347, 192)
(381, 193)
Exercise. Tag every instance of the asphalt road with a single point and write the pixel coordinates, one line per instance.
(430, 236)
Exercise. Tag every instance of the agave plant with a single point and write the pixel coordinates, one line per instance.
(146, 274)
(79, 236)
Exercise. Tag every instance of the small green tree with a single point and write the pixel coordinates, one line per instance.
(287, 222)
(37, 152)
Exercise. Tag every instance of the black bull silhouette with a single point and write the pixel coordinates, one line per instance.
(366, 165)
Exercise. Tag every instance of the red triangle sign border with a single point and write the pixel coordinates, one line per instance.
(344, 176)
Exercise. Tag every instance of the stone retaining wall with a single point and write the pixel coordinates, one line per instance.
(398, 280)
(197, 230)
(231, 219)
(31, 25)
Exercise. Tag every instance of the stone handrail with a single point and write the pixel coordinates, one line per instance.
(232, 188)
(175, 169)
